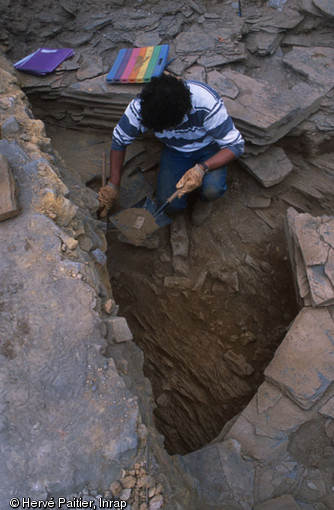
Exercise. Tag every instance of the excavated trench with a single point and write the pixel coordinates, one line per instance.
(209, 322)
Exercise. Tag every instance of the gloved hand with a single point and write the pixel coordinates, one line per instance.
(191, 180)
(107, 195)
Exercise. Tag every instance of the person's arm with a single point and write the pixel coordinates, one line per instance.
(116, 164)
(221, 158)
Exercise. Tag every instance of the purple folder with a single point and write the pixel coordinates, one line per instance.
(44, 60)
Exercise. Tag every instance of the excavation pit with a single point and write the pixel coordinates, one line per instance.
(208, 306)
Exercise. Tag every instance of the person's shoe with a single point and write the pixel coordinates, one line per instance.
(200, 212)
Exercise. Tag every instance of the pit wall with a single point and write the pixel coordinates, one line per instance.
(77, 422)
(73, 424)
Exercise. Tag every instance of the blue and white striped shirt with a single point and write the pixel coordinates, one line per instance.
(207, 122)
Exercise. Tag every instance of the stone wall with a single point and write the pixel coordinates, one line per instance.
(278, 453)
(71, 425)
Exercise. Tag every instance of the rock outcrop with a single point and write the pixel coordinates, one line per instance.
(70, 422)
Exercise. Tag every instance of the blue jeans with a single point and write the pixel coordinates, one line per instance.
(174, 164)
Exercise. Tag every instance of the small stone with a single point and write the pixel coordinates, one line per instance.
(99, 257)
(146, 481)
(259, 202)
(238, 363)
(129, 482)
(180, 266)
(125, 494)
(119, 329)
(177, 282)
(156, 502)
(115, 488)
(10, 127)
(246, 338)
(312, 486)
(85, 242)
(109, 306)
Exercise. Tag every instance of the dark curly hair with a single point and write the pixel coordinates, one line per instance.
(164, 102)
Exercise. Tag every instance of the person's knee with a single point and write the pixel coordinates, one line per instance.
(210, 193)
(214, 185)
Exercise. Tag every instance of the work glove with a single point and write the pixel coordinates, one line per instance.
(191, 180)
(107, 195)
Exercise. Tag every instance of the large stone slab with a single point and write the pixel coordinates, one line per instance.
(264, 425)
(269, 168)
(265, 113)
(223, 473)
(310, 242)
(303, 365)
(314, 64)
(314, 250)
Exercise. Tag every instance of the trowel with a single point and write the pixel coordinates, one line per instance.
(142, 220)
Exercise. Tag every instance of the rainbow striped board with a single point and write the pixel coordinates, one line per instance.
(138, 65)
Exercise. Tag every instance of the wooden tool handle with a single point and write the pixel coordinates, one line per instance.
(174, 195)
(168, 201)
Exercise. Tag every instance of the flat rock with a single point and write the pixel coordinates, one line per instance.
(314, 64)
(259, 202)
(269, 168)
(90, 68)
(325, 6)
(285, 502)
(322, 289)
(234, 480)
(148, 39)
(98, 23)
(226, 87)
(328, 408)
(264, 43)
(238, 363)
(179, 65)
(326, 231)
(303, 365)
(179, 237)
(314, 250)
(177, 282)
(312, 256)
(319, 37)
(222, 36)
(297, 263)
(195, 73)
(261, 111)
(8, 203)
(267, 397)
(329, 267)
